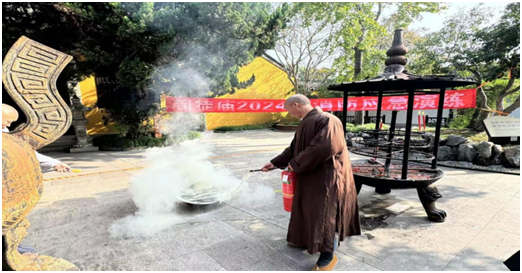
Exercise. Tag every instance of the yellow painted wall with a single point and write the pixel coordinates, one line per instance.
(271, 83)
(95, 116)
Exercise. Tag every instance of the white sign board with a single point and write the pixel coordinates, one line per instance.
(498, 126)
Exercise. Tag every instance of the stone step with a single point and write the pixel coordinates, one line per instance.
(64, 143)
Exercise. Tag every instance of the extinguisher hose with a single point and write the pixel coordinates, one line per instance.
(260, 170)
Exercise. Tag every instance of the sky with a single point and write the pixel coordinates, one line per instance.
(435, 22)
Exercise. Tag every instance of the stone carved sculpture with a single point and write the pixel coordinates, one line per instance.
(30, 71)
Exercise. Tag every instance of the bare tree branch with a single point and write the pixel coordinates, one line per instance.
(482, 95)
(302, 49)
(508, 86)
(505, 92)
(512, 91)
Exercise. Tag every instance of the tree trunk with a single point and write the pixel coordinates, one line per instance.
(478, 125)
(293, 80)
(499, 102)
(483, 99)
(358, 63)
(358, 119)
(296, 88)
(513, 106)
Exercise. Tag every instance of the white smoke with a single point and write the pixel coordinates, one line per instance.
(176, 170)
(142, 225)
(182, 169)
(173, 172)
(179, 125)
(184, 79)
(256, 194)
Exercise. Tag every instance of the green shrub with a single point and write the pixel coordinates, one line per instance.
(290, 123)
(462, 121)
(119, 141)
(188, 136)
(483, 136)
(242, 127)
(369, 126)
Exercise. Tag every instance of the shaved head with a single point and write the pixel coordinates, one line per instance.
(9, 115)
(298, 98)
(298, 105)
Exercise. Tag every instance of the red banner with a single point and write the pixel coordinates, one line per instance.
(455, 99)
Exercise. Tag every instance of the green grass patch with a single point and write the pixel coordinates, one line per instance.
(369, 126)
(242, 127)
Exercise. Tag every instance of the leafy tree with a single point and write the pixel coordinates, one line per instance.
(466, 46)
(360, 28)
(144, 49)
(500, 52)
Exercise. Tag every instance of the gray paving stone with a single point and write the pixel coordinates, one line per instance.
(73, 215)
(487, 251)
(240, 252)
(411, 260)
(195, 261)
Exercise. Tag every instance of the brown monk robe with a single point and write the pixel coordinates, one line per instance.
(325, 198)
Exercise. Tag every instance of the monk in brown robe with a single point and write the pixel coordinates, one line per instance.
(325, 198)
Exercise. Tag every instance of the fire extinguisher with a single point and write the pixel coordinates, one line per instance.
(289, 180)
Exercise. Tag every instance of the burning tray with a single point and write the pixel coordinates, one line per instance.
(372, 174)
(205, 195)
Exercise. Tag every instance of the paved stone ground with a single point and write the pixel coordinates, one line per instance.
(72, 218)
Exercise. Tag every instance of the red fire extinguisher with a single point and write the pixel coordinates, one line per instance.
(289, 180)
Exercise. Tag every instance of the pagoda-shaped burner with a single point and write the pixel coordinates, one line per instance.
(404, 155)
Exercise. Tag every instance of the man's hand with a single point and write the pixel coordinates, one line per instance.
(268, 167)
(62, 167)
(290, 167)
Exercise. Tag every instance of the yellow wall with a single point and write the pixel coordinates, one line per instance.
(271, 83)
(94, 117)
